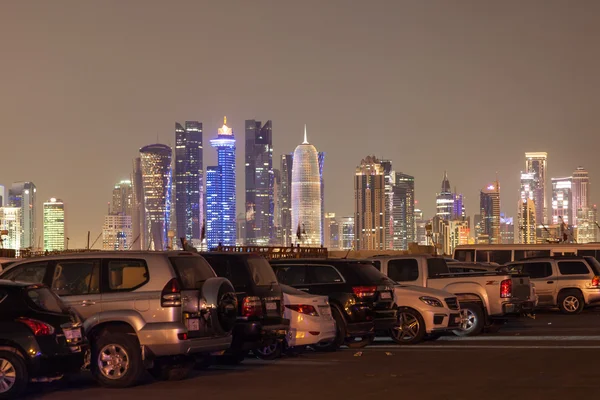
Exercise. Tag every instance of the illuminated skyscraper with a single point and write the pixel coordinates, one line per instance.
(117, 232)
(221, 223)
(536, 164)
(23, 196)
(527, 223)
(369, 205)
(138, 220)
(189, 176)
(331, 232)
(2, 196)
(403, 211)
(286, 199)
(10, 221)
(562, 201)
(444, 202)
(321, 156)
(277, 238)
(54, 225)
(346, 227)
(306, 195)
(156, 177)
(259, 183)
(581, 194)
(490, 214)
(122, 198)
(389, 182)
(507, 230)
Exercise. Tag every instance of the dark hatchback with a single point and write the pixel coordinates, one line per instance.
(260, 321)
(361, 297)
(40, 338)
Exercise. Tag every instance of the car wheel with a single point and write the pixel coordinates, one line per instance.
(203, 363)
(13, 375)
(270, 352)
(474, 321)
(340, 336)
(116, 360)
(364, 341)
(172, 370)
(233, 358)
(571, 302)
(410, 328)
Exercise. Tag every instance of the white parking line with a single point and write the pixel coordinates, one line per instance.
(456, 347)
(518, 338)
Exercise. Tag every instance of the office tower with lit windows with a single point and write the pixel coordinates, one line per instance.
(11, 224)
(23, 195)
(285, 203)
(117, 233)
(260, 206)
(389, 182)
(307, 211)
(536, 164)
(527, 221)
(581, 194)
(403, 211)
(507, 229)
(138, 218)
(189, 181)
(2, 196)
(489, 201)
(444, 201)
(156, 179)
(122, 198)
(221, 222)
(277, 238)
(321, 157)
(420, 228)
(331, 233)
(562, 201)
(587, 230)
(369, 206)
(54, 225)
(346, 227)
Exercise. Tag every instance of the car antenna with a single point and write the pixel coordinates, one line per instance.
(347, 253)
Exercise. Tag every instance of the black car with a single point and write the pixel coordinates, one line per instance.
(361, 297)
(260, 322)
(40, 338)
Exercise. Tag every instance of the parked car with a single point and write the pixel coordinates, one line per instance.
(485, 296)
(40, 338)
(361, 298)
(568, 282)
(142, 310)
(5, 262)
(261, 322)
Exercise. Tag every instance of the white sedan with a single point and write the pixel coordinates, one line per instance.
(311, 322)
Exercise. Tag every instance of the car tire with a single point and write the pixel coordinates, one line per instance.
(340, 337)
(364, 341)
(123, 348)
(404, 332)
(219, 291)
(233, 358)
(571, 302)
(475, 320)
(268, 353)
(172, 370)
(203, 363)
(15, 375)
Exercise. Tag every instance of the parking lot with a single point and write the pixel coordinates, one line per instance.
(551, 356)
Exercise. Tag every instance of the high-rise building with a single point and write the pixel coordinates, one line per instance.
(117, 232)
(528, 184)
(455, 233)
(332, 232)
(277, 238)
(11, 228)
(54, 225)
(321, 157)
(490, 214)
(581, 194)
(389, 176)
(536, 164)
(122, 198)
(527, 223)
(587, 230)
(189, 181)
(403, 211)
(23, 195)
(286, 199)
(156, 178)
(420, 228)
(259, 183)
(306, 195)
(444, 201)
(138, 220)
(346, 226)
(221, 224)
(562, 201)
(369, 206)
(507, 229)
(2, 196)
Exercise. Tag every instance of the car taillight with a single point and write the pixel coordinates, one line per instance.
(596, 281)
(506, 288)
(364, 291)
(171, 294)
(252, 307)
(303, 309)
(37, 327)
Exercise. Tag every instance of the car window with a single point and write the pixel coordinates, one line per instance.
(31, 273)
(522, 254)
(437, 266)
(43, 299)
(192, 270)
(231, 268)
(325, 274)
(537, 270)
(377, 265)
(261, 272)
(292, 275)
(403, 270)
(126, 274)
(594, 264)
(76, 277)
(465, 255)
(573, 268)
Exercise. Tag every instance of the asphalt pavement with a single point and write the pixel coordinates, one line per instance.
(550, 357)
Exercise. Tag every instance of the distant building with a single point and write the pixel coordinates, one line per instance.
(403, 211)
(536, 165)
(581, 195)
(321, 157)
(490, 214)
(285, 202)
(389, 176)
(420, 228)
(332, 232)
(54, 225)
(11, 228)
(122, 198)
(507, 230)
(117, 232)
(588, 230)
(346, 227)
(277, 238)
(444, 201)
(527, 221)
(23, 195)
(2, 196)
(138, 219)
(369, 206)
(562, 201)
(455, 233)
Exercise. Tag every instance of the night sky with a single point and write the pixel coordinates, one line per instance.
(462, 86)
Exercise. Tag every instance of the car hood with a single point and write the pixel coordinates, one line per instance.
(418, 290)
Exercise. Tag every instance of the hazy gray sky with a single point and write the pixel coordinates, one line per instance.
(466, 86)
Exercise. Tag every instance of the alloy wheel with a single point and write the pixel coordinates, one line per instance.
(113, 361)
(470, 321)
(8, 375)
(267, 350)
(408, 327)
(571, 303)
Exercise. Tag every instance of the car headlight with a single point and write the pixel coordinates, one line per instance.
(431, 301)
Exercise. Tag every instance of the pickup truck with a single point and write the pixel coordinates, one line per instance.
(485, 297)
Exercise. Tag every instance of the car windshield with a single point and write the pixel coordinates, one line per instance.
(368, 274)
(43, 299)
(261, 272)
(192, 270)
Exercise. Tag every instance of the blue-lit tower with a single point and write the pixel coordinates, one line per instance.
(220, 191)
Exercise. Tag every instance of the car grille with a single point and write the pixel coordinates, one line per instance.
(452, 303)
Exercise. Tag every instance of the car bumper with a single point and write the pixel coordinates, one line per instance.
(43, 365)
(592, 296)
(249, 335)
(516, 308)
(308, 334)
(441, 319)
(161, 340)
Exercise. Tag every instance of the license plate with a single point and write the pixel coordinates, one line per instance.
(72, 334)
(193, 324)
(271, 306)
(386, 295)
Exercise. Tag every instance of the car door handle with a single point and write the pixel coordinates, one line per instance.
(550, 282)
(86, 303)
(304, 289)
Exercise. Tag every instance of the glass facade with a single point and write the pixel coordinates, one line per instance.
(286, 199)
(527, 221)
(54, 225)
(116, 232)
(23, 195)
(122, 198)
(369, 206)
(536, 164)
(11, 227)
(562, 201)
(490, 214)
(321, 156)
(403, 211)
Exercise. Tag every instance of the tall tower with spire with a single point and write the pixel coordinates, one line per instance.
(444, 201)
(306, 195)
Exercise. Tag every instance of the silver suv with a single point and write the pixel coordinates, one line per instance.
(567, 282)
(143, 310)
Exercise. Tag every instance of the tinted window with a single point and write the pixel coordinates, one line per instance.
(231, 268)
(32, 273)
(73, 278)
(465, 255)
(325, 274)
(191, 270)
(291, 275)
(126, 274)
(377, 265)
(573, 268)
(356, 273)
(44, 299)
(436, 266)
(261, 272)
(594, 264)
(522, 254)
(537, 270)
(405, 270)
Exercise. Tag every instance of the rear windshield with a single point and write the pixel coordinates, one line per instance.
(45, 300)
(362, 274)
(192, 270)
(437, 266)
(594, 264)
(261, 272)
